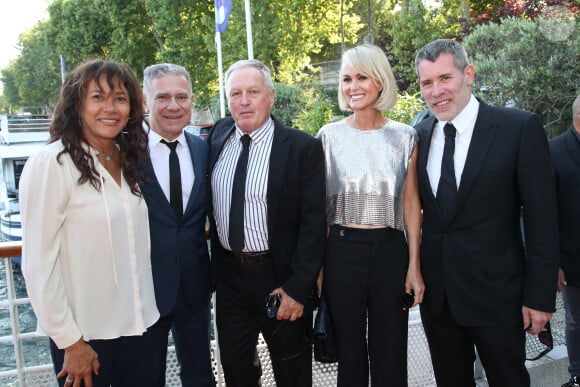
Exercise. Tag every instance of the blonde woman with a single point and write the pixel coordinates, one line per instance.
(373, 212)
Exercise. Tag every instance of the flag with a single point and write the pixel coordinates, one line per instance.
(223, 8)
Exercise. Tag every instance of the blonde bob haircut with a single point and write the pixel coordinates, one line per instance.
(370, 60)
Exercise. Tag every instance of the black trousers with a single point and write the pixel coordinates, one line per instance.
(241, 315)
(501, 349)
(189, 327)
(364, 275)
(125, 361)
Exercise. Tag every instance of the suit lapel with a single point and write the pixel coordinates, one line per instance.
(425, 135)
(153, 187)
(218, 139)
(198, 172)
(572, 146)
(278, 164)
(483, 135)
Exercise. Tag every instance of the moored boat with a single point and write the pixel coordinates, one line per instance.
(21, 134)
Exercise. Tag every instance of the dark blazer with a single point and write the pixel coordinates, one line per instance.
(477, 257)
(565, 150)
(180, 250)
(296, 206)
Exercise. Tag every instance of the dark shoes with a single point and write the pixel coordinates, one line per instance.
(573, 382)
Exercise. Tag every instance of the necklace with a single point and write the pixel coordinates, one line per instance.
(108, 157)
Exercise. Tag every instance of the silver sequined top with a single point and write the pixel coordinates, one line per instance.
(365, 172)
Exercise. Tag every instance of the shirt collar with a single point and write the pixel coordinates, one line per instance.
(258, 134)
(155, 138)
(466, 117)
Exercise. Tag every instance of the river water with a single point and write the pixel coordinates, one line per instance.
(36, 351)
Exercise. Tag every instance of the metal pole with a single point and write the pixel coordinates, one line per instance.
(249, 29)
(218, 46)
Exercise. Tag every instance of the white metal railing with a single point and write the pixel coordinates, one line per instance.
(419, 360)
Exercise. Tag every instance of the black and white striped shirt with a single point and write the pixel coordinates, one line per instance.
(255, 207)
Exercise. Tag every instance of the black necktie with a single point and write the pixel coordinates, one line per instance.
(174, 180)
(236, 232)
(447, 189)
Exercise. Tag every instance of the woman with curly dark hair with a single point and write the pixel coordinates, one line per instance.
(85, 232)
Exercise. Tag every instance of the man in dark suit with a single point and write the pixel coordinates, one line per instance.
(176, 195)
(565, 150)
(268, 233)
(479, 168)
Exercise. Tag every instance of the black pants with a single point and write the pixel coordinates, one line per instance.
(189, 326)
(500, 347)
(241, 316)
(126, 361)
(364, 275)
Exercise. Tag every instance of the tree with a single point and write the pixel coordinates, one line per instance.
(79, 29)
(132, 39)
(10, 95)
(517, 64)
(483, 12)
(401, 40)
(37, 70)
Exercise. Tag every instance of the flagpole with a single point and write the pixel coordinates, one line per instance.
(218, 42)
(62, 69)
(249, 29)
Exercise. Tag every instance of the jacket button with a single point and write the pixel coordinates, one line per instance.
(341, 233)
(177, 258)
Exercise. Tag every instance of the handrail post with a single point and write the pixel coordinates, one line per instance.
(14, 321)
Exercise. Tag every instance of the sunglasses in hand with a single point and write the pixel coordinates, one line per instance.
(407, 299)
(272, 304)
(545, 337)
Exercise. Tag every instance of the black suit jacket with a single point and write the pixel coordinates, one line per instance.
(477, 258)
(296, 206)
(179, 250)
(565, 150)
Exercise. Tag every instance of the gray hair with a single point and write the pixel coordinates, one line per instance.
(433, 50)
(576, 108)
(160, 70)
(258, 65)
(371, 61)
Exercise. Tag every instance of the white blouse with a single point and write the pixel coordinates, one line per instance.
(85, 253)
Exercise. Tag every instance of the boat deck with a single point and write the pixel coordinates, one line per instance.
(547, 371)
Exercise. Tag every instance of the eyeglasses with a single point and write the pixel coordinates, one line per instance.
(545, 337)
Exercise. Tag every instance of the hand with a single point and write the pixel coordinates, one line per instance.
(535, 319)
(561, 280)
(414, 282)
(289, 309)
(80, 362)
(319, 283)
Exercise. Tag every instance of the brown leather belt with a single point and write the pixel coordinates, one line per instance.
(248, 258)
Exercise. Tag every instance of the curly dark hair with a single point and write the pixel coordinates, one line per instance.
(66, 124)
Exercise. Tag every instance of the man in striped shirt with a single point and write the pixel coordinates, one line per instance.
(273, 247)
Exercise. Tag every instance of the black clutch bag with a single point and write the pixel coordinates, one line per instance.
(323, 336)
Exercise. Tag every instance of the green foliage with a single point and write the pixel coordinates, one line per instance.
(10, 95)
(79, 30)
(34, 77)
(289, 36)
(400, 39)
(317, 109)
(132, 40)
(517, 64)
(407, 107)
(287, 103)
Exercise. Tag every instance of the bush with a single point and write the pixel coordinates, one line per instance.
(407, 107)
(517, 63)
